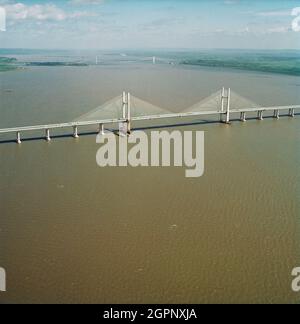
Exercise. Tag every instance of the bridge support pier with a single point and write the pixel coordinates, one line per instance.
(48, 138)
(276, 113)
(75, 132)
(128, 127)
(292, 112)
(101, 129)
(243, 116)
(18, 140)
(227, 118)
(260, 115)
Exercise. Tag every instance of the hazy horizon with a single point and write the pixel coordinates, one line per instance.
(153, 49)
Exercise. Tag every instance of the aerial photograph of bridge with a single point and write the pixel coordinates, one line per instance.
(149, 153)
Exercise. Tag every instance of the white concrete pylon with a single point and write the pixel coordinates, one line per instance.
(75, 132)
(101, 129)
(292, 112)
(128, 113)
(124, 103)
(276, 113)
(222, 99)
(243, 116)
(222, 104)
(48, 138)
(228, 106)
(18, 138)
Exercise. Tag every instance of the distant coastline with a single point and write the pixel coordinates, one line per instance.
(285, 62)
(7, 64)
(268, 66)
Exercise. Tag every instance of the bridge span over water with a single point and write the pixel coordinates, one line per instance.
(126, 109)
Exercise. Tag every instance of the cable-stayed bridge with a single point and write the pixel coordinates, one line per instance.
(127, 109)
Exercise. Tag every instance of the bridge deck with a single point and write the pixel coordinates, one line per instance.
(140, 118)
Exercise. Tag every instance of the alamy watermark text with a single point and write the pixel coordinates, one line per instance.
(140, 149)
(296, 280)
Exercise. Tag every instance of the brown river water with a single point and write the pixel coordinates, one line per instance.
(73, 232)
